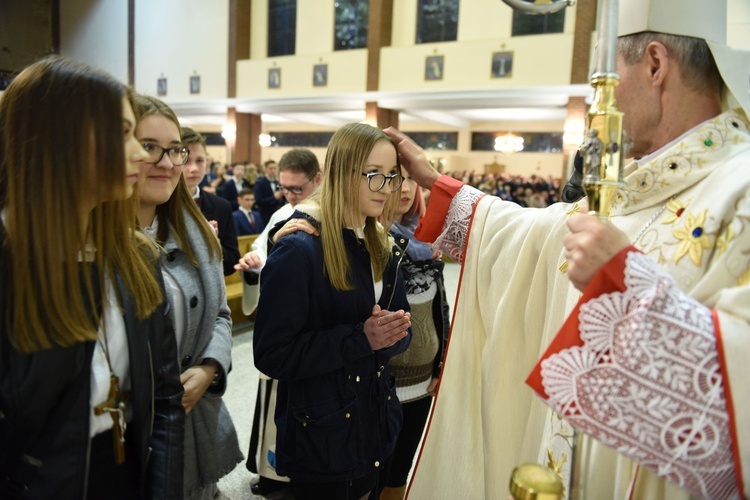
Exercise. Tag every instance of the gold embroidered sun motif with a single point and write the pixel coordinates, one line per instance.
(675, 208)
(693, 238)
(575, 209)
(744, 278)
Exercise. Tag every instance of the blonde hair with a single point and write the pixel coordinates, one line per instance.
(61, 139)
(172, 212)
(338, 198)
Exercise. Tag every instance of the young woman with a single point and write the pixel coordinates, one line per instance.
(192, 269)
(331, 315)
(417, 370)
(89, 383)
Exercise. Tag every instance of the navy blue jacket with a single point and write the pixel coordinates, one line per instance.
(242, 223)
(228, 191)
(337, 414)
(265, 201)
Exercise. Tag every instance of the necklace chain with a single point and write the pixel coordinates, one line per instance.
(651, 220)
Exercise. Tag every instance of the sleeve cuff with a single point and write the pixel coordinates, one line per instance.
(443, 191)
(610, 278)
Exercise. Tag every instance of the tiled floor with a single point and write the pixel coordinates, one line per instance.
(240, 399)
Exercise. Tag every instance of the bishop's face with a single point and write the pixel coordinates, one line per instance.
(640, 105)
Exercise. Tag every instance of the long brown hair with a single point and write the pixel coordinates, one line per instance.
(61, 139)
(338, 198)
(172, 212)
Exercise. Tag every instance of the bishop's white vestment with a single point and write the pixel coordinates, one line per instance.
(671, 324)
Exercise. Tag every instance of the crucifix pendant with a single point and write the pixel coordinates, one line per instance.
(115, 406)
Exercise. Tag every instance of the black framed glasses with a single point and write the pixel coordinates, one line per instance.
(178, 155)
(295, 189)
(376, 181)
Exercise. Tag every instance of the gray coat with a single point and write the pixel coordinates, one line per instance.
(211, 446)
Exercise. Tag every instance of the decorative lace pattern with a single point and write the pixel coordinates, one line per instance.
(452, 239)
(646, 381)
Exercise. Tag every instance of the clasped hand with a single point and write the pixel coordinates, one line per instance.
(590, 244)
(384, 328)
(195, 381)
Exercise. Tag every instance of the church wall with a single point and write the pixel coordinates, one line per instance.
(347, 72)
(537, 60)
(180, 38)
(738, 27)
(96, 32)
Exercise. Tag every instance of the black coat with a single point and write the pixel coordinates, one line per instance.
(265, 201)
(45, 410)
(218, 209)
(228, 191)
(337, 414)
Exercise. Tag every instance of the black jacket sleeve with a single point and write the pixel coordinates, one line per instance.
(441, 315)
(396, 301)
(228, 238)
(264, 196)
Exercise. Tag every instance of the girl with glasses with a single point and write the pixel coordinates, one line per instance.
(89, 381)
(192, 269)
(332, 313)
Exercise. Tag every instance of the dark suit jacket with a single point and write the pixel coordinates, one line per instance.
(242, 223)
(228, 191)
(218, 209)
(265, 201)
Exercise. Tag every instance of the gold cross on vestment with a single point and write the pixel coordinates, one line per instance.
(115, 406)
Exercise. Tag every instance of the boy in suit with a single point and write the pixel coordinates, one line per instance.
(217, 211)
(247, 220)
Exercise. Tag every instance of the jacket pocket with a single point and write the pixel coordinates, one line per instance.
(326, 436)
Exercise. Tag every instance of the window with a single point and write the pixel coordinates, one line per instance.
(436, 141)
(214, 139)
(437, 21)
(282, 24)
(351, 18)
(537, 24)
(533, 142)
(282, 139)
(301, 139)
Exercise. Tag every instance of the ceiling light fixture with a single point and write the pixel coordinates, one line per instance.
(509, 143)
(264, 140)
(229, 132)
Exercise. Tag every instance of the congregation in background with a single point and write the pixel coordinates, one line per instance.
(608, 348)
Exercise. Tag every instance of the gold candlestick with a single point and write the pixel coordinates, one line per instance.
(602, 149)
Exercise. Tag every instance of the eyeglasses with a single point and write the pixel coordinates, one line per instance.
(376, 181)
(178, 155)
(294, 190)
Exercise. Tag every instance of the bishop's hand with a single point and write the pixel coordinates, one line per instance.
(590, 244)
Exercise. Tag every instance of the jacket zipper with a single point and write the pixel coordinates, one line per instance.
(153, 396)
(395, 274)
